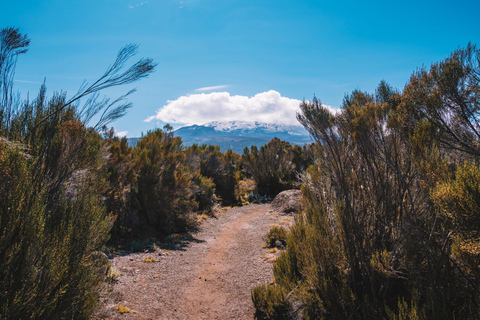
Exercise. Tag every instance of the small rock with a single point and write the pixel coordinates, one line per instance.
(280, 244)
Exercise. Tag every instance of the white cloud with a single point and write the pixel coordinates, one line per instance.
(116, 133)
(137, 5)
(266, 107)
(223, 86)
(121, 134)
(26, 81)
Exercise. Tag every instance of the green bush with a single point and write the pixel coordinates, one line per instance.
(271, 167)
(165, 193)
(390, 223)
(270, 302)
(205, 195)
(275, 233)
(156, 188)
(53, 222)
(49, 261)
(221, 167)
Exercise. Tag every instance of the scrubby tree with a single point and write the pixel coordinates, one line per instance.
(222, 168)
(271, 167)
(442, 104)
(158, 187)
(164, 194)
(390, 223)
(52, 219)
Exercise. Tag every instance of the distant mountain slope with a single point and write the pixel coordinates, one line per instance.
(237, 135)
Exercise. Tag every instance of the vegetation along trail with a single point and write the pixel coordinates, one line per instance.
(209, 278)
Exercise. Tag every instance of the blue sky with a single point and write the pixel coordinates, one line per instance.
(266, 54)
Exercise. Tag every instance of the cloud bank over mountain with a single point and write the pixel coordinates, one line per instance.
(265, 107)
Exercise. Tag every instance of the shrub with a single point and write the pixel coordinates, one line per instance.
(165, 193)
(221, 168)
(271, 167)
(49, 263)
(275, 234)
(53, 223)
(270, 302)
(244, 190)
(390, 219)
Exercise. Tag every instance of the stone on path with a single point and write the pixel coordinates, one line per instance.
(287, 201)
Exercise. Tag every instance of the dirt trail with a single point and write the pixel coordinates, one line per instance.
(210, 278)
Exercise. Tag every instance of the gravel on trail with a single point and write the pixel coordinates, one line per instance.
(211, 277)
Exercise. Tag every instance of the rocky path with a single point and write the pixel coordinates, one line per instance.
(210, 278)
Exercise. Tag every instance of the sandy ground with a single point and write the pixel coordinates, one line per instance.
(209, 277)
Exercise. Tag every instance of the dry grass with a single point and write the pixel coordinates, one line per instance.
(201, 217)
(122, 309)
(149, 259)
(113, 273)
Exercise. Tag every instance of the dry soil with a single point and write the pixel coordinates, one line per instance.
(209, 277)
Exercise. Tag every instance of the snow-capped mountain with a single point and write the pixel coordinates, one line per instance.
(237, 135)
(246, 126)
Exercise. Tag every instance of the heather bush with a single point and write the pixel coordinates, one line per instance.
(52, 218)
(156, 188)
(270, 302)
(389, 227)
(275, 167)
(222, 168)
(275, 234)
(271, 167)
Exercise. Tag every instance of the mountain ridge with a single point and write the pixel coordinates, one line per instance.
(236, 135)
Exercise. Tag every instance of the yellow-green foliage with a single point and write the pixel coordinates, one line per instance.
(157, 171)
(244, 189)
(53, 222)
(205, 194)
(163, 178)
(271, 167)
(122, 309)
(270, 302)
(221, 168)
(390, 227)
(275, 233)
(314, 259)
(459, 201)
(407, 311)
(49, 266)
